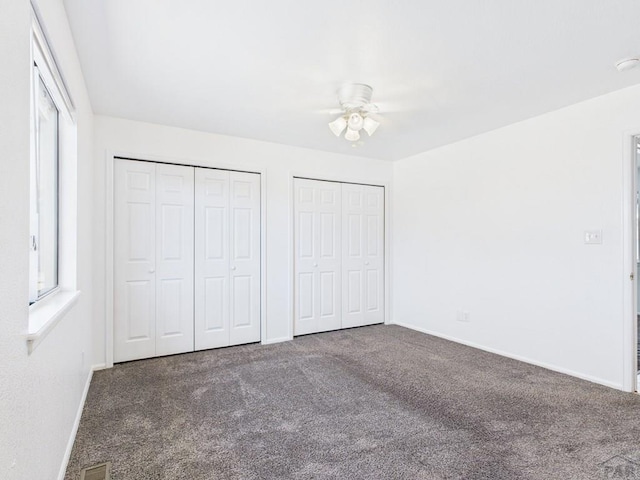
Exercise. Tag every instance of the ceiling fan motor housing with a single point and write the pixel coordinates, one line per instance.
(354, 96)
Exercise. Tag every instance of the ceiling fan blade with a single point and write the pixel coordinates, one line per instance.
(328, 111)
(375, 116)
(395, 107)
(370, 108)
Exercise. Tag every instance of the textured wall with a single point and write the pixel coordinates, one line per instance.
(41, 392)
(494, 226)
(14, 229)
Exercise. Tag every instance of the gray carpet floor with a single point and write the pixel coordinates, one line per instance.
(379, 402)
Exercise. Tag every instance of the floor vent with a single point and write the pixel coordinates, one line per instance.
(97, 472)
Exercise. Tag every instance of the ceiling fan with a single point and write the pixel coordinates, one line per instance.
(358, 113)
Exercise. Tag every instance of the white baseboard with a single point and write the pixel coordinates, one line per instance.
(76, 424)
(276, 340)
(554, 368)
(98, 366)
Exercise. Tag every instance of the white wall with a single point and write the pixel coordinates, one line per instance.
(40, 393)
(494, 224)
(280, 162)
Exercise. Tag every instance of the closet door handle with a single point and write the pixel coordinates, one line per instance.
(151, 270)
(233, 268)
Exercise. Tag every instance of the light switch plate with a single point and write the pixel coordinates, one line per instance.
(593, 237)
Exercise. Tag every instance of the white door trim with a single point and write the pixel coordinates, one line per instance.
(387, 237)
(629, 240)
(110, 156)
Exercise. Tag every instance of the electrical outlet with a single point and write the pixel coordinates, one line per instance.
(463, 316)
(593, 237)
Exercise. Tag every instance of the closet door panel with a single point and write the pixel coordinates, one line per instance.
(244, 242)
(211, 258)
(174, 259)
(363, 255)
(353, 292)
(374, 254)
(134, 260)
(329, 258)
(317, 256)
(305, 318)
(353, 255)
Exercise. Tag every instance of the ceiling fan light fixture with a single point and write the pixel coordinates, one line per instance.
(338, 125)
(355, 102)
(355, 121)
(352, 135)
(370, 125)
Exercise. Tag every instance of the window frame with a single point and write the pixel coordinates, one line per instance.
(35, 238)
(47, 310)
(45, 69)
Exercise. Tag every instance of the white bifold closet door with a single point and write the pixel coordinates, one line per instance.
(317, 256)
(186, 259)
(153, 259)
(339, 255)
(362, 255)
(227, 253)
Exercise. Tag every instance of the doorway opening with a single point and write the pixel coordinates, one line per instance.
(636, 252)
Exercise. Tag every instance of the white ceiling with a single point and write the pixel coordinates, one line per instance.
(441, 70)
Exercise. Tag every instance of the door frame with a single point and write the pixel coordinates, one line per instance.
(110, 157)
(387, 236)
(630, 240)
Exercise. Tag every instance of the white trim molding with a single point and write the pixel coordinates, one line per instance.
(76, 425)
(520, 358)
(629, 242)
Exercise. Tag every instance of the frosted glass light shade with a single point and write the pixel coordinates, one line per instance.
(370, 125)
(355, 121)
(352, 135)
(338, 125)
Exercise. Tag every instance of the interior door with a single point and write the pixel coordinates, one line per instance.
(212, 259)
(244, 243)
(134, 260)
(174, 259)
(227, 294)
(317, 235)
(363, 255)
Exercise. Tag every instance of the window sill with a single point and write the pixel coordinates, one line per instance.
(46, 314)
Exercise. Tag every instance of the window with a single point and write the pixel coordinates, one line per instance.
(53, 194)
(44, 192)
